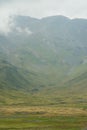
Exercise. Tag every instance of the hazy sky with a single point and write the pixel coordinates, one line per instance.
(41, 8)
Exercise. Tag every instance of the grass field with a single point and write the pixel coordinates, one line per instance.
(43, 118)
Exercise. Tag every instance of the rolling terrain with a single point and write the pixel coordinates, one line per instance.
(43, 73)
(43, 56)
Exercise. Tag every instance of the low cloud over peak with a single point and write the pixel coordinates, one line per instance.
(41, 8)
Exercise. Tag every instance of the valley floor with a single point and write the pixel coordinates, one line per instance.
(42, 118)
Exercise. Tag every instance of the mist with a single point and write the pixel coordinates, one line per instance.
(39, 9)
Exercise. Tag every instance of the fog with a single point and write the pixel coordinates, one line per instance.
(39, 9)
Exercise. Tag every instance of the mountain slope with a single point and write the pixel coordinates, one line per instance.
(41, 58)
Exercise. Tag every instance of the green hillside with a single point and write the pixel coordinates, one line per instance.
(44, 61)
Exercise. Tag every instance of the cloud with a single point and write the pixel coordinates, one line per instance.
(41, 8)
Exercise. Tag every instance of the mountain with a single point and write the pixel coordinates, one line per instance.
(43, 57)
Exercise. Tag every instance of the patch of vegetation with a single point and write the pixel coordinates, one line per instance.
(33, 122)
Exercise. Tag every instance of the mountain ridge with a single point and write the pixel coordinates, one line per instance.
(46, 53)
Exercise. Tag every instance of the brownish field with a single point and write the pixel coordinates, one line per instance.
(46, 111)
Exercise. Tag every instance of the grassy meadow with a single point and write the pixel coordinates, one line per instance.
(42, 118)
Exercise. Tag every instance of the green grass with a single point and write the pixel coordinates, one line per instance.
(42, 118)
(38, 122)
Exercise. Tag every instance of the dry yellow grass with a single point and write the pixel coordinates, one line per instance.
(46, 111)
